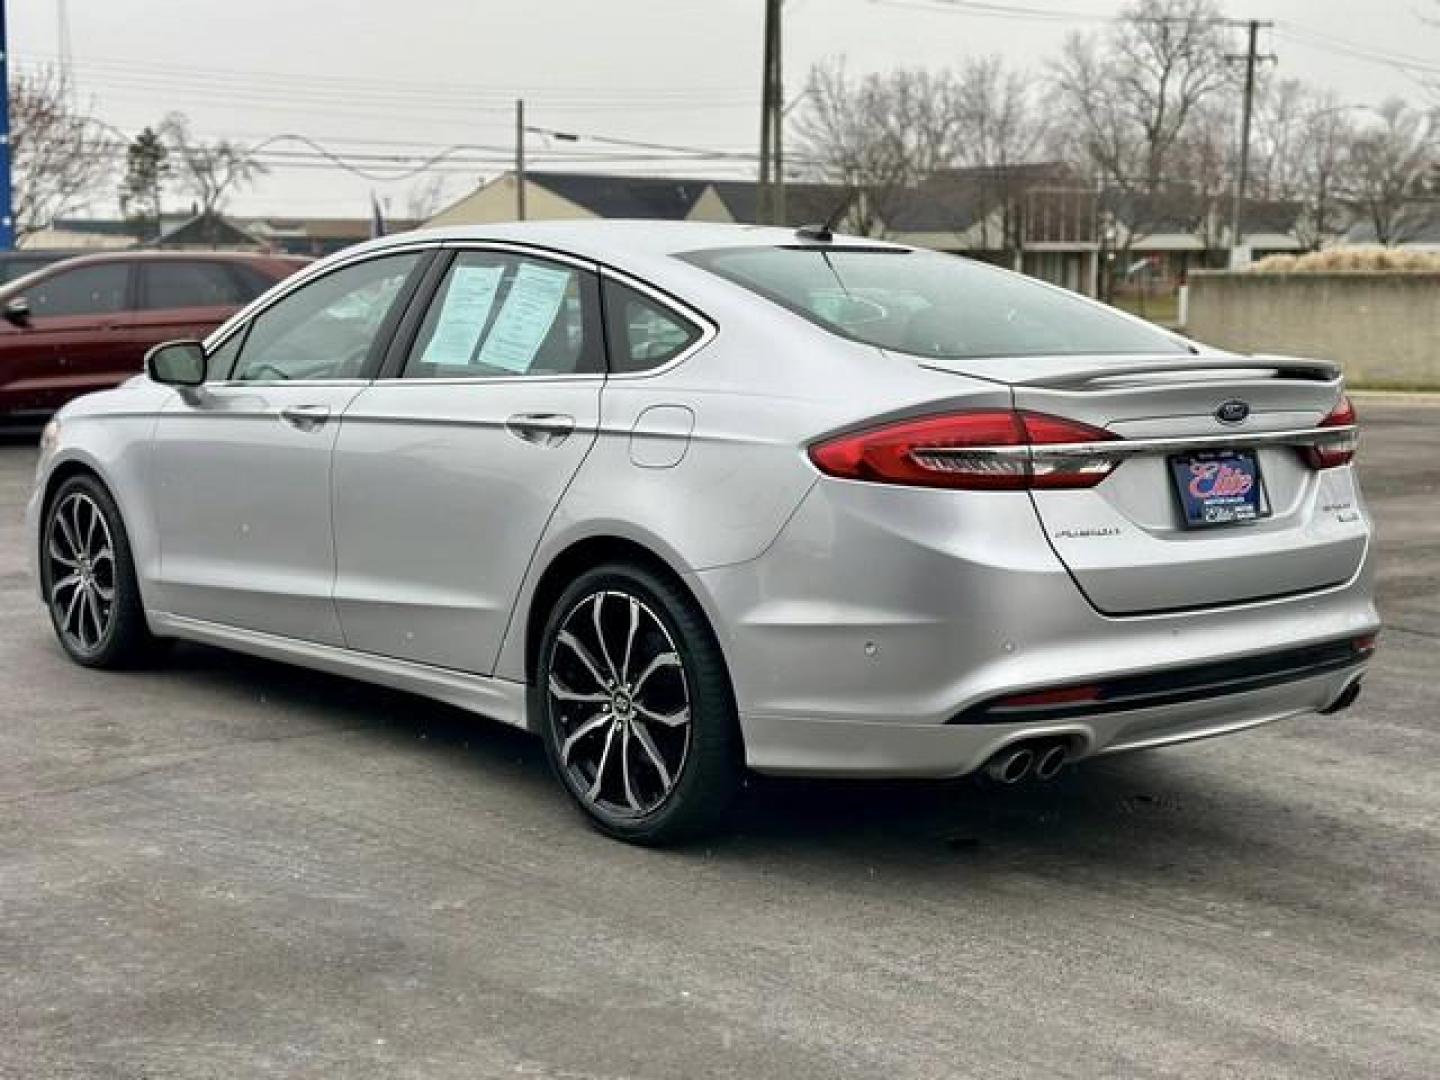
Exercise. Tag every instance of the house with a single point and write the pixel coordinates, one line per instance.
(318, 236)
(207, 231)
(569, 196)
(1418, 228)
(1037, 218)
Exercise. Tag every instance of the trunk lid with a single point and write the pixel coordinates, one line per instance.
(1126, 541)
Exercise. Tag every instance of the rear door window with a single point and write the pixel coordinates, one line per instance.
(498, 315)
(186, 284)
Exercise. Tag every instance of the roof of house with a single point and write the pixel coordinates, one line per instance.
(805, 203)
(953, 200)
(352, 229)
(671, 198)
(206, 230)
(668, 198)
(1419, 224)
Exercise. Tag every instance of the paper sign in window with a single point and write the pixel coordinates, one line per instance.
(468, 301)
(528, 315)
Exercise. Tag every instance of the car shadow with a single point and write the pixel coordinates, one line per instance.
(1143, 816)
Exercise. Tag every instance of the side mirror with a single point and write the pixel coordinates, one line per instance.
(17, 311)
(176, 363)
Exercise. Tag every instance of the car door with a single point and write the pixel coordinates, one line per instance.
(448, 469)
(74, 340)
(241, 474)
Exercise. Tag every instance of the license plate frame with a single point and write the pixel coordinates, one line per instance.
(1211, 491)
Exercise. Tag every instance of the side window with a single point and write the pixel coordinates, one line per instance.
(174, 283)
(325, 329)
(497, 314)
(86, 290)
(643, 334)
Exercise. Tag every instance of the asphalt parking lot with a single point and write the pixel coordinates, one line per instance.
(230, 868)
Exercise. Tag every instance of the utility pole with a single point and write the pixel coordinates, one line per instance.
(770, 208)
(7, 219)
(1251, 58)
(519, 159)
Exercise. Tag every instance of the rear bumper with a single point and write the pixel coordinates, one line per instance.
(792, 746)
(882, 615)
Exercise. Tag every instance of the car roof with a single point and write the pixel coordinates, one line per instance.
(610, 238)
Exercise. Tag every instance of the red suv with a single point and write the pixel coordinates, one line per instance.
(86, 323)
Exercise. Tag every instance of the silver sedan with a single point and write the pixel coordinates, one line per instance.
(685, 499)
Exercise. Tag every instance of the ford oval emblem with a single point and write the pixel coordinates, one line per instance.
(1233, 412)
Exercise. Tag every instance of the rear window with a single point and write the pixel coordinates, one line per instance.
(931, 305)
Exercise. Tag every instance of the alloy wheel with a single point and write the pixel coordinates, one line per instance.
(81, 557)
(620, 704)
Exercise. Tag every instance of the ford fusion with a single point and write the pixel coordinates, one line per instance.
(688, 499)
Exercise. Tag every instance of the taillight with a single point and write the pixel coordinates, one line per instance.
(985, 450)
(1339, 449)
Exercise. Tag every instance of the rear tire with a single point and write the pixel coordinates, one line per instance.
(637, 711)
(88, 576)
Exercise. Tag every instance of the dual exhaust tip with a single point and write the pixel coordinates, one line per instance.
(1041, 759)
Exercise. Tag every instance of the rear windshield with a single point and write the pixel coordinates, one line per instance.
(929, 304)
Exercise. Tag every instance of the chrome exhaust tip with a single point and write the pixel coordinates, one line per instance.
(1050, 759)
(1344, 701)
(1012, 765)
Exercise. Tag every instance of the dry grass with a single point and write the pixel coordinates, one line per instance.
(1351, 260)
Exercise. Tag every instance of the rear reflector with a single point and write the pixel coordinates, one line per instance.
(987, 450)
(1330, 452)
(1064, 695)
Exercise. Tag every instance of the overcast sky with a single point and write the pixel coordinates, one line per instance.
(379, 77)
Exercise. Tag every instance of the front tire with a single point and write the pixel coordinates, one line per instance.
(637, 711)
(88, 576)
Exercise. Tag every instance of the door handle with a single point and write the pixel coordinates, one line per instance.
(305, 417)
(542, 429)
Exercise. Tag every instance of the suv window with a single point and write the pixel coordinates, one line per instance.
(86, 290)
(641, 333)
(325, 329)
(184, 284)
(498, 314)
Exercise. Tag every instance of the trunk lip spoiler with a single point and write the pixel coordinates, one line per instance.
(1083, 374)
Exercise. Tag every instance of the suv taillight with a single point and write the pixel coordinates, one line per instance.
(1339, 449)
(984, 450)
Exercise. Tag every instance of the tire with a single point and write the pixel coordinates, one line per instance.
(621, 753)
(91, 547)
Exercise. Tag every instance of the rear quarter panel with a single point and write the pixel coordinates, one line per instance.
(759, 393)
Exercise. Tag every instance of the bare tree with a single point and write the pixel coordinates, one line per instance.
(1390, 163)
(880, 134)
(209, 171)
(1000, 131)
(1126, 100)
(61, 160)
(1324, 156)
(1277, 148)
(425, 197)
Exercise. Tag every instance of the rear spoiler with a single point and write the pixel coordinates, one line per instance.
(1111, 372)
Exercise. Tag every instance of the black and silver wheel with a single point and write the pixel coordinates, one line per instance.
(89, 578)
(638, 715)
